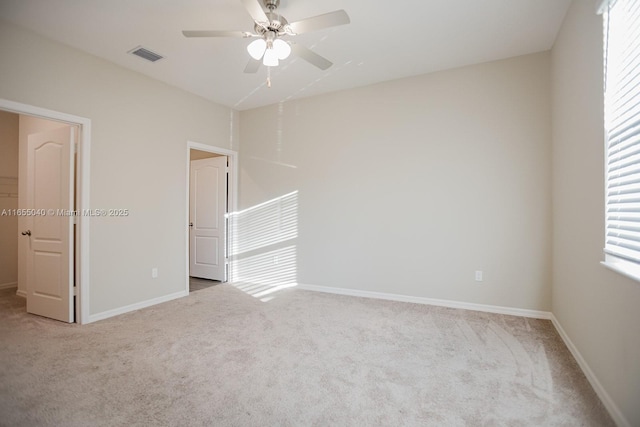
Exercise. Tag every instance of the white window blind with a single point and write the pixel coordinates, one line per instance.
(622, 128)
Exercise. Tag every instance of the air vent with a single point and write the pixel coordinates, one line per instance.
(145, 54)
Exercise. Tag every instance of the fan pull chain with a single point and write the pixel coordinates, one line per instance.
(268, 77)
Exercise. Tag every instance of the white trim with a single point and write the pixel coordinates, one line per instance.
(608, 403)
(603, 5)
(210, 148)
(136, 306)
(621, 266)
(232, 191)
(522, 312)
(9, 285)
(21, 293)
(83, 173)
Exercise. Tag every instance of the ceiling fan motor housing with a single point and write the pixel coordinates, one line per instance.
(276, 24)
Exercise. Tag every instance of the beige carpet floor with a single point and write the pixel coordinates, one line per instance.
(223, 358)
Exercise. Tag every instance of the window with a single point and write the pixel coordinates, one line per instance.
(622, 132)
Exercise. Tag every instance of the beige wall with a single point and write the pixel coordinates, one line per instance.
(8, 145)
(8, 199)
(140, 129)
(408, 187)
(404, 187)
(596, 307)
(197, 155)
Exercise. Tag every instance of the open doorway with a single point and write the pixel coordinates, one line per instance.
(210, 197)
(9, 134)
(48, 185)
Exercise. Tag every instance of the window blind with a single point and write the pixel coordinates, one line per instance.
(622, 128)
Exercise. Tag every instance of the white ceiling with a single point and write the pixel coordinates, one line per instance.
(386, 40)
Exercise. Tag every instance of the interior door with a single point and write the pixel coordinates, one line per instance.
(207, 209)
(49, 195)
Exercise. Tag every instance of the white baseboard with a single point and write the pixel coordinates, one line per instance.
(9, 285)
(21, 293)
(431, 301)
(136, 306)
(608, 403)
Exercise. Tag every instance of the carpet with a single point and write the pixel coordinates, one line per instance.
(221, 357)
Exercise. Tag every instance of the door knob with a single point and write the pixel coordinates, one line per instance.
(26, 233)
(190, 224)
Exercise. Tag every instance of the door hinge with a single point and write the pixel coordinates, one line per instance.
(75, 291)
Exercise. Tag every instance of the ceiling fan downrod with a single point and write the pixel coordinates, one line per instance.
(271, 4)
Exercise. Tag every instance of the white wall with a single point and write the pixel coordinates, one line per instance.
(409, 186)
(8, 199)
(140, 128)
(598, 309)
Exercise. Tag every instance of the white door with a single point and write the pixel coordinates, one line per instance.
(207, 209)
(50, 226)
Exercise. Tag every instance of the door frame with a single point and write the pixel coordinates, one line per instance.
(231, 192)
(82, 173)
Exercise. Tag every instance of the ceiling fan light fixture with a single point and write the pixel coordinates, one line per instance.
(257, 48)
(270, 58)
(282, 49)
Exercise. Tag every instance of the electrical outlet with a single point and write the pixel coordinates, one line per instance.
(478, 276)
(154, 273)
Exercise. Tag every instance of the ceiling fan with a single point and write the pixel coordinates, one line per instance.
(270, 29)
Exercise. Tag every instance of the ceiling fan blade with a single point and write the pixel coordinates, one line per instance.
(240, 34)
(331, 19)
(311, 57)
(252, 66)
(255, 10)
